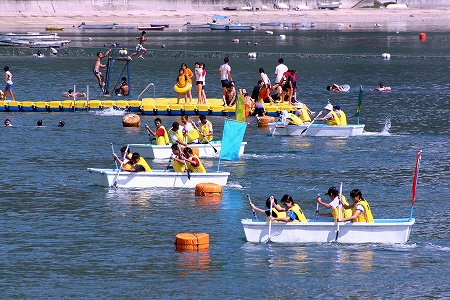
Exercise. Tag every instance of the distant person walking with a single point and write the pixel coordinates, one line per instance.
(140, 46)
(9, 84)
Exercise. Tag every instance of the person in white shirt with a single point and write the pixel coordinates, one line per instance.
(279, 71)
(225, 78)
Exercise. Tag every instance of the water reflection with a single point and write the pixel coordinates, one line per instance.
(193, 261)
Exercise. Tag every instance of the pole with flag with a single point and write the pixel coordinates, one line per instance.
(414, 184)
(240, 108)
(358, 109)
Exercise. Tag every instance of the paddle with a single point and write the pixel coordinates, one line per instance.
(185, 165)
(215, 150)
(270, 217)
(121, 164)
(303, 131)
(169, 165)
(112, 148)
(317, 206)
(339, 213)
(151, 136)
(254, 212)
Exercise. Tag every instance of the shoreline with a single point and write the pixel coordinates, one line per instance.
(406, 20)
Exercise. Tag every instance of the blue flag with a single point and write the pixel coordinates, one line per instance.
(233, 134)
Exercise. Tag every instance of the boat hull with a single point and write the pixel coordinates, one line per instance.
(156, 178)
(164, 151)
(317, 130)
(385, 231)
(230, 27)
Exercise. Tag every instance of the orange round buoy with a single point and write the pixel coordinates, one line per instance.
(423, 36)
(191, 241)
(208, 189)
(131, 120)
(264, 121)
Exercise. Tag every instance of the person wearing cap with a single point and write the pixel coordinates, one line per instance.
(331, 117)
(335, 198)
(335, 88)
(361, 211)
(293, 211)
(176, 134)
(160, 133)
(139, 164)
(303, 112)
(340, 114)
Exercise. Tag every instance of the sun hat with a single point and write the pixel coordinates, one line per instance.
(329, 106)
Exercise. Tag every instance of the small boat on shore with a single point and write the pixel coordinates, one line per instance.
(97, 26)
(164, 151)
(230, 26)
(197, 26)
(147, 28)
(156, 178)
(276, 128)
(330, 5)
(32, 39)
(390, 231)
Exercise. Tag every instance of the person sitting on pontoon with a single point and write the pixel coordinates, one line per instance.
(71, 94)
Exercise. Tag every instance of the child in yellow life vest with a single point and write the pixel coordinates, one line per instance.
(361, 211)
(192, 161)
(294, 212)
(206, 129)
(139, 164)
(333, 193)
(189, 131)
(160, 133)
(277, 211)
(178, 163)
(182, 82)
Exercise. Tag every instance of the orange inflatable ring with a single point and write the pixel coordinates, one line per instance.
(131, 120)
(182, 89)
(191, 241)
(264, 121)
(208, 189)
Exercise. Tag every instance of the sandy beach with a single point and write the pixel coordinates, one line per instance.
(388, 19)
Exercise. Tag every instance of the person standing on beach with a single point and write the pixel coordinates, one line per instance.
(225, 78)
(140, 46)
(98, 64)
(9, 84)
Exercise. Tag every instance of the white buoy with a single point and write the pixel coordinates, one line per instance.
(251, 55)
(235, 41)
(386, 56)
(282, 36)
(268, 32)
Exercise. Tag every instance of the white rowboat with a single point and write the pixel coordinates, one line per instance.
(390, 231)
(156, 178)
(164, 151)
(317, 130)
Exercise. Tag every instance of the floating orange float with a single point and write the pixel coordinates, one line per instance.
(208, 189)
(131, 120)
(264, 121)
(423, 36)
(191, 241)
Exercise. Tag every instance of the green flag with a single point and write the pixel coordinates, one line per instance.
(240, 109)
(358, 109)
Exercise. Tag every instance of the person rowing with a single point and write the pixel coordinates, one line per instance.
(139, 164)
(335, 198)
(178, 163)
(206, 129)
(294, 212)
(277, 210)
(160, 133)
(331, 117)
(361, 211)
(194, 163)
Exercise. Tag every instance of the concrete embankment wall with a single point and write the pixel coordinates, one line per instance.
(53, 6)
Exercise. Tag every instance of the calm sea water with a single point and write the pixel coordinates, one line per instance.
(64, 238)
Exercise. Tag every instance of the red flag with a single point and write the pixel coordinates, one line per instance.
(416, 176)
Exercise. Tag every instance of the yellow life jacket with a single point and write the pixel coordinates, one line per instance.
(163, 139)
(276, 213)
(199, 169)
(178, 134)
(178, 166)
(192, 135)
(345, 213)
(143, 163)
(342, 118)
(294, 120)
(298, 211)
(305, 115)
(204, 128)
(335, 121)
(367, 215)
